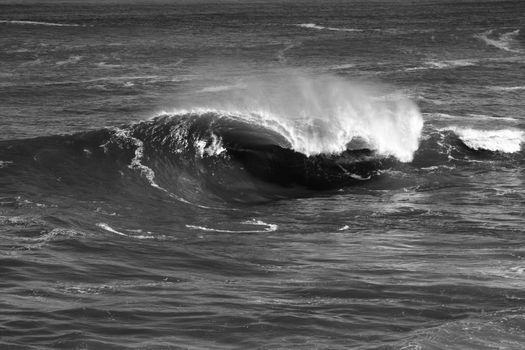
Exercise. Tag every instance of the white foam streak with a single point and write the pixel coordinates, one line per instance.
(108, 228)
(147, 172)
(36, 23)
(445, 64)
(342, 66)
(322, 114)
(5, 163)
(471, 117)
(505, 140)
(70, 60)
(451, 63)
(507, 88)
(267, 227)
(318, 27)
(220, 88)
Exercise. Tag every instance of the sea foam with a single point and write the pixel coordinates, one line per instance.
(266, 227)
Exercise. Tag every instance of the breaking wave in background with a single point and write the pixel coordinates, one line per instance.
(37, 23)
(504, 140)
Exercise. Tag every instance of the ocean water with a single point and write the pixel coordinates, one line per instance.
(262, 174)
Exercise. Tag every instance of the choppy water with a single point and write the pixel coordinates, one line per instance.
(335, 174)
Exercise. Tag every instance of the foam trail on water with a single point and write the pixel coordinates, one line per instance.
(281, 54)
(322, 114)
(334, 29)
(110, 229)
(5, 163)
(505, 41)
(267, 227)
(470, 117)
(445, 64)
(70, 60)
(507, 88)
(36, 23)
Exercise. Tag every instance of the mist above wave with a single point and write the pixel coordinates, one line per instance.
(322, 114)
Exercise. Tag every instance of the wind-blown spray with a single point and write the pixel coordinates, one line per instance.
(322, 114)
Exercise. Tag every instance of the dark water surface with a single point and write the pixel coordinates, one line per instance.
(215, 175)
